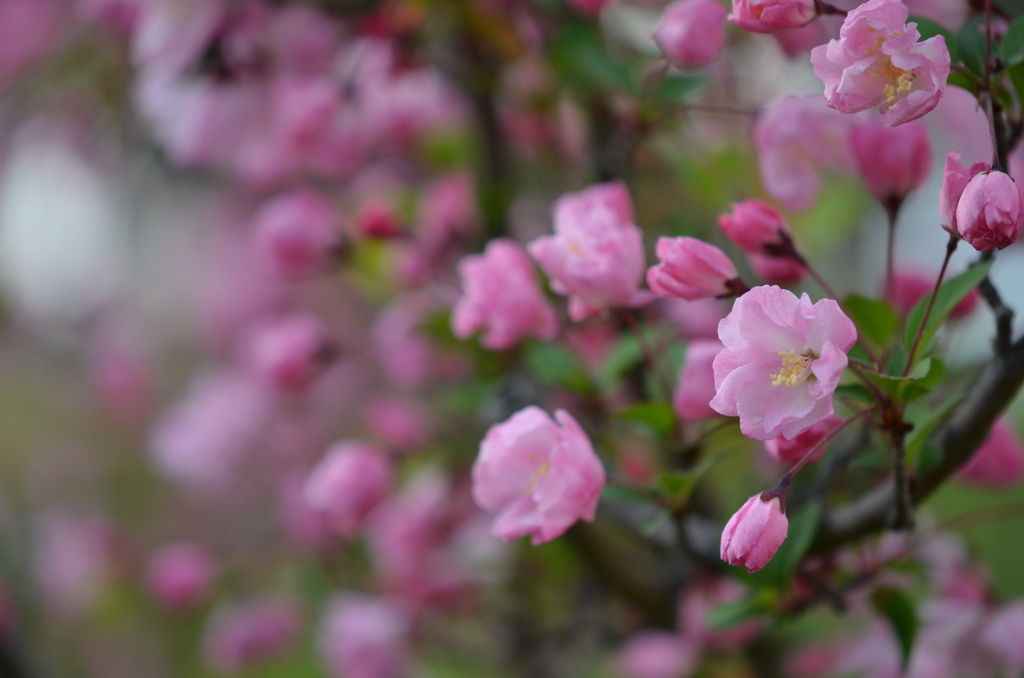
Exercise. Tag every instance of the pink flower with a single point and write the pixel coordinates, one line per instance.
(691, 32)
(447, 211)
(786, 451)
(589, 8)
(29, 30)
(288, 353)
(656, 654)
(771, 16)
(540, 476)
(596, 256)
(777, 270)
(878, 61)
(691, 269)
(754, 533)
(376, 220)
(73, 559)
(892, 162)
(692, 399)
(1003, 636)
(170, 35)
(955, 177)
(305, 527)
(399, 422)
(120, 372)
(500, 295)
(350, 480)
(296, 234)
(754, 225)
(180, 575)
(782, 361)
(695, 319)
(364, 637)
(244, 634)
(990, 212)
(999, 462)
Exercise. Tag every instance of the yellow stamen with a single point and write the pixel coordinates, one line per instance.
(796, 369)
(542, 469)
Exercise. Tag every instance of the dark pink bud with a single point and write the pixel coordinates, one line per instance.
(690, 269)
(788, 451)
(771, 16)
(892, 161)
(297, 234)
(990, 212)
(754, 533)
(180, 575)
(999, 462)
(754, 225)
(289, 352)
(376, 220)
(955, 178)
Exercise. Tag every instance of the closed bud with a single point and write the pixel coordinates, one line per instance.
(893, 162)
(990, 211)
(754, 533)
(691, 269)
(754, 225)
(691, 32)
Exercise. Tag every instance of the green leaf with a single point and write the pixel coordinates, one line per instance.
(615, 493)
(970, 45)
(964, 81)
(555, 365)
(675, 87)
(733, 614)
(877, 320)
(625, 354)
(926, 417)
(950, 294)
(899, 610)
(1012, 50)
(929, 29)
(580, 58)
(678, 485)
(1016, 74)
(803, 525)
(855, 391)
(659, 417)
(912, 390)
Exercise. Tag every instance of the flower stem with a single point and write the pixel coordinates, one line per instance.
(950, 248)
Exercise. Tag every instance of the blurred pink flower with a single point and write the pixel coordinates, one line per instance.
(398, 421)
(596, 256)
(120, 16)
(171, 34)
(691, 32)
(771, 16)
(754, 533)
(1003, 636)
(656, 654)
(909, 286)
(698, 599)
(73, 559)
(878, 61)
(893, 162)
(447, 212)
(782, 361)
(364, 637)
(692, 398)
(305, 527)
(120, 371)
(990, 212)
(695, 319)
(501, 296)
(777, 270)
(376, 220)
(243, 634)
(691, 269)
(754, 225)
(288, 352)
(29, 30)
(999, 461)
(297, 233)
(180, 575)
(950, 13)
(350, 480)
(405, 354)
(540, 476)
(955, 177)
(786, 451)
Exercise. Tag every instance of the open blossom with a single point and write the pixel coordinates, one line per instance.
(289, 352)
(692, 398)
(541, 476)
(296, 234)
(657, 654)
(180, 575)
(364, 637)
(347, 484)
(596, 256)
(878, 61)
(782, 361)
(501, 296)
(990, 212)
(754, 225)
(691, 32)
(893, 162)
(754, 533)
(771, 16)
(955, 177)
(691, 269)
(999, 462)
(788, 451)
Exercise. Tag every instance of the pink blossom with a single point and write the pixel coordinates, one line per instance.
(800, 41)
(243, 634)
(501, 296)
(289, 352)
(364, 637)
(171, 34)
(305, 527)
(596, 256)
(990, 212)
(72, 559)
(754, 225)
(398, 421)
(754, 533)
(782, 361)
(786, 451)
(406, 355)
(120, 372)
(777, 270)
(180, 575)
(878, 61)
(691, 32)
(303, 40)
(540, 476)
(296, 234)
(955, 177)
(771, 16)
(892, 162)
(350, 480)
(29, 30)
(695, 319)
(950, 13)
(376, 220)
(656, 654)
(1003, 636)
(999, 462)
(696, 387)
(691, 269)
(447, 211)
(120, 16)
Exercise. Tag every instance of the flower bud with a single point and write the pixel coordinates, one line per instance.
(697, 381)
(690, 269)
(999, 462)
(754, 225)
(754, 533)
(691, 32)
(771, 16)
(290, 352)
(296, 234)
(893, 162)
(350, 480)
(180, 575)
(955, 178)
(990, 211)
(786, 451)
(776, 270)
(376, 220)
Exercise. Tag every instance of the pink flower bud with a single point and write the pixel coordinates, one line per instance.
(771, 16)
(180, 575)
(350, 480)
(691, 269)
(244, 634)
(893, 162)
(697, 381)
(990, 212)
(501, 295)
(955, 177)
(754, 225)
(691, 32)
(786, 451)
(656, 654)
(364, 637)
(776, 270)
(290, 352)
(296, 234)
(999, 462)
(540, 476)
(376, 220)
(754, 533)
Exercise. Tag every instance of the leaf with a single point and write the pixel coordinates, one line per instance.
(579, 57)
(929, 29)
(733, 614)
(970, 46)
(615, 493)
(964, 81)
(894, 384)
(899, 610)
(555, 365)
(803, 525)
(1016, 74)
(926, 418)
(1012, 50)
(911, 391)
(855, 391)
(623, 356)
(658, 416)
(950, 294)
(675, 87)
(678, 485)
(877, 320)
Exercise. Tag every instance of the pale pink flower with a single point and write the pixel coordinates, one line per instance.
(501, 296)
(955, 177)
(754, 225)
(297, 233)
(990, 212)
(692, 398)
(878, 61)
(540, 476)
(29, 30)
(691, 269)
(399, 422)
(406, 355)
(1003, 637)
(893, 162)
(171, 34)
(364, 637)
(350, 480)
(799, 41)
(305, 527)
(289, 352)
(777, 270)
(691, 32)
(243, 634)
(656, 654)
(72, 559)
(771, 16)
(596, 256)
(999, 461)
(120, 372)
(754, 533)
(180, 575)
(786, 451)
(782, 361)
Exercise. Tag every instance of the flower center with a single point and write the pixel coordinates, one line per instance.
(897, 80)
(796, 369)
(539, 471)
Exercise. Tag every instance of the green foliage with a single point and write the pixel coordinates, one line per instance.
(660, 417)
(803, 525)
(675, 87)
(733, 614)
(1011, 52)
(626, 354)
(579, 57)
(925, 418)
(950, 294)
(970, 47)
(554, 365)
(899, 610)
(877, 320)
